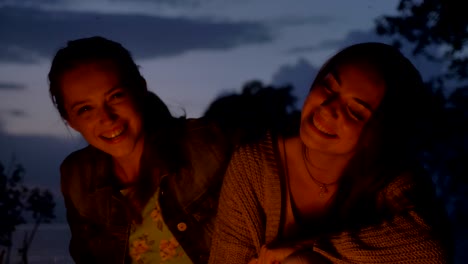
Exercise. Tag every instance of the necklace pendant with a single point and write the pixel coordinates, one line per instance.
(323, 190)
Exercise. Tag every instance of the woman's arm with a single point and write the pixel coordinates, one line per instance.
(240, 220)
(413, 234)
(79, 228)
(404, 239)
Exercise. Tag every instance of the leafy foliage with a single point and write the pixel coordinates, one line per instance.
(256, 109)
(41, 204)
(15, 200)
(12, 196)
(432, 22)
(443, 25)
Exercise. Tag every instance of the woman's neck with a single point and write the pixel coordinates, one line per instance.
(127, 168)
(326, 168)
(126, 171)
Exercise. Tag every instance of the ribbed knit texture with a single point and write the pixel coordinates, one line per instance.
(250, 210)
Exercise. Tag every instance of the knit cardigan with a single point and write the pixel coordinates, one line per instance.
(250, 211)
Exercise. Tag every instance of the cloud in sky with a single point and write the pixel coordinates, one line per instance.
(353, 37)
(10, 86)
(320, 20)
(27, 2)
(426, 67)
(175, 3)
(300, 75)
(54, 3)
(32, 2)
(32, 33)
(8, 113)
(17, 113)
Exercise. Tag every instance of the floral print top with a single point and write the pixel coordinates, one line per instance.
(152, 241)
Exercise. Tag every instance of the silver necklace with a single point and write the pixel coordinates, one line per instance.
(323, 186)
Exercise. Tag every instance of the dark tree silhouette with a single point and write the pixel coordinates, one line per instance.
(442, 24)
(12, 195)
(256, 109)
(15, 200)
(429, 23)
(41, 204)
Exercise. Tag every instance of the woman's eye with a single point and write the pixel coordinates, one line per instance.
(83, 109)
(327, 87)
(118, 95)
(356, 114)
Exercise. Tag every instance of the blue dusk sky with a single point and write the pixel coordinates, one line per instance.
(190, 52)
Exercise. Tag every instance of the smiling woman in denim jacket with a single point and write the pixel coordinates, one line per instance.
(145, 190)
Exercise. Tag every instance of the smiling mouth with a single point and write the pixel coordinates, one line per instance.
(114, 134)
(323, 130)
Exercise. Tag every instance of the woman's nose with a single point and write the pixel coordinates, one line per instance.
(107, 115)
(331, 106)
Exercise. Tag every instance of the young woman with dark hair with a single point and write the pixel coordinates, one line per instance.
(348, 188)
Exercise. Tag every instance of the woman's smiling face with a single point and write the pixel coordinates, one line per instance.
(339, 106)
(102, 109)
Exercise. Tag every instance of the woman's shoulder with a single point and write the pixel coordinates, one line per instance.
(411, 189)
(203, 129)
(81, 166)
(262, 149)
(81, 157)
(204, 141)
(205, 134)
(256, 163)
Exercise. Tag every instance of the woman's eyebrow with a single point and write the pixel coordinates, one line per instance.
(77, 104)
(111, 90)
(115, 87)
(334, 73)
(363, 103)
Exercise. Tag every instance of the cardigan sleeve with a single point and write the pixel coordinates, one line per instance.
(403, 239)
(412, 235)
(240, 220)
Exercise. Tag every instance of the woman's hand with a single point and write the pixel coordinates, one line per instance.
(273, 256)
(253, 261)
(288, 255)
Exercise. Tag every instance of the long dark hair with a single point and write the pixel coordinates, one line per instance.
(163, 152)
(390, 141)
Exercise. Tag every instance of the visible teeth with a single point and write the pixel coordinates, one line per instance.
(321, 128)
(115, 133)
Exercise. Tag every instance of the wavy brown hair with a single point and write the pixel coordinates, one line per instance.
(390, 142)
(163, 152)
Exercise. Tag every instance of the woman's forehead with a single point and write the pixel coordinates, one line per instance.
(359, 81)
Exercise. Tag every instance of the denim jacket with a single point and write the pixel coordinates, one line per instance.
(96, 211)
